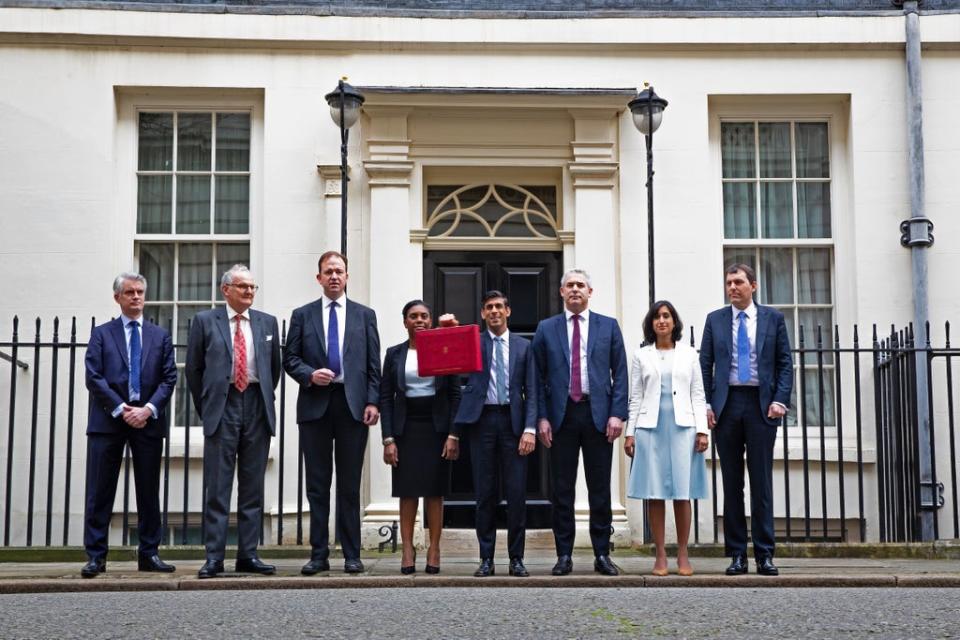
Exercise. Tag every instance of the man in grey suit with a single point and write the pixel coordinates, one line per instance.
(233, 367)
(333, 352)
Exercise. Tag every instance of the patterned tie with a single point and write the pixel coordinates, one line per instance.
(240, 378)
(576, 384)
(333, 340)
(135, 351)
(501, 373)
(743, 350)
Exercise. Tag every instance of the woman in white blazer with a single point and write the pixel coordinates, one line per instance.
(667, 430)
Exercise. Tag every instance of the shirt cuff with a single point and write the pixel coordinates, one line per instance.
(153, 410)
(530, 430)
(780, 404)
(117, 411)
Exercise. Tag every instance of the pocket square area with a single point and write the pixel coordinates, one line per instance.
(269, 338)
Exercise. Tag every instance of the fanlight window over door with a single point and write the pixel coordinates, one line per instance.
(500, 211)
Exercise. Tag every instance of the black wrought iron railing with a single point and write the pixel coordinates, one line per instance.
(848, 460)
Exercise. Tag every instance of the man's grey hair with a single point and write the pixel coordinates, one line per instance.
(232, 272)
(569, 273)
(127, 275)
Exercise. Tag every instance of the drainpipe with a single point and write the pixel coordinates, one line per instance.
(916, 234)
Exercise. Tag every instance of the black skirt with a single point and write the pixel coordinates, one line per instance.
(420, 471)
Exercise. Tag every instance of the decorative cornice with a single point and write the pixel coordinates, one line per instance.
(593, 175)
(330, 174)
(388, 173)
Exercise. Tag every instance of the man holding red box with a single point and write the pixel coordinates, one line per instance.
(498, 412)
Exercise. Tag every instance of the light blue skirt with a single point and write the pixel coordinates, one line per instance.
(665, 466)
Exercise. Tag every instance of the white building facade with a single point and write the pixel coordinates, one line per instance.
(176, 141)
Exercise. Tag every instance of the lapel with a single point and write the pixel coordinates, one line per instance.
(259, 344)
(562, 335)
(317, 318)
(146, 340)
(352, 318)
(591, 333)
(514, 357)
(116, 330)
(400, 362)
(486, 353)
(223, 323)
(726, 321)
(762, 318)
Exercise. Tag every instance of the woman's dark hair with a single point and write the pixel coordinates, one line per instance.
(416, 303)
(649, 335)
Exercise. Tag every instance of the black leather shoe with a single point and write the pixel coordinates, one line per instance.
(765, 567)
(93, 568)
(352, 565)
(432, 569)
(738, 565)
(517, 569)
(254, 565)
(154, 563)
(315, 566)
(563, 567)
(604, 566)
(486, 568)
(210, 569)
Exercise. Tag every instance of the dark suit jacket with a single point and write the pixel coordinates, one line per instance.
(774, 361)
(606, 366)
(360, 353)
(210, 363)
(108, 375)
(393, 401)
(523, 385)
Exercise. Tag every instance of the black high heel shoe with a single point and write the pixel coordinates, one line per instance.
(432, 569)
(413, 567)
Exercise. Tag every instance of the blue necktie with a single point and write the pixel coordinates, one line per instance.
(501, 373)
(743, 350)
(134, 361)
(333, 340)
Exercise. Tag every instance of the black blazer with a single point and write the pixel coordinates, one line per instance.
(306, 352)
(393, 399)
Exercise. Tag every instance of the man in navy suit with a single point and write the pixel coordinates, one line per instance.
(130, 374)
(498, 412)
(333, 352)
(582, 367)
(747, 377)
(232, 369)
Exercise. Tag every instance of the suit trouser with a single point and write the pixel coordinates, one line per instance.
(241, 441)
(337, 434)
(104, 457)
(741, 426)
(578, 432)
(492, 440)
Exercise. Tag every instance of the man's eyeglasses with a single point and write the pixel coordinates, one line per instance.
(245, 287)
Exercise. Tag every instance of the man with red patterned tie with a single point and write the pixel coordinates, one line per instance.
(582, 402)
(232, 369)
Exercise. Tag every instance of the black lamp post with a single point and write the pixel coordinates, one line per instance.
(647, 109)
(344, 104)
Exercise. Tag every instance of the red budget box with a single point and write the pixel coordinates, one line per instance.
(448, 350)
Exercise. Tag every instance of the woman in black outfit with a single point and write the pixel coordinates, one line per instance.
(416, 418)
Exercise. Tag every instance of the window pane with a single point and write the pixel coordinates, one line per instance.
(813, 203)
(185, 314)
(193, 204)
(160, 315)
(791, 326)
(739, 210)
(233, 142)
(229, 255)
(811, 321)
(156, 265)
(813, 151)
(812, 400)
(741, 256)
(737, 149)
(776, 208)
(195, 274)
(155, 146)
(154, 196)
(182, 401)
(193, 141)
(232, 213)
(776, 276)
(813, 276)
(774, 149)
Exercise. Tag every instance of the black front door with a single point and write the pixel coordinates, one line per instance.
(454, 281)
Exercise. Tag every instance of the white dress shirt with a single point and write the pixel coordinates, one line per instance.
(492, 386)
(127, 330)
(751, 320)
(341, 327)
(584, 330)
(247, 332)
(417, 387)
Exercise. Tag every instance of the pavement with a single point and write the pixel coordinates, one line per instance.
(383, 571)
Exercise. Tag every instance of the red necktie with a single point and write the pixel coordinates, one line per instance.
(240, 379)
(576, 385)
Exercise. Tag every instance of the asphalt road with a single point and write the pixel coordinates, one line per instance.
(488, 613)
